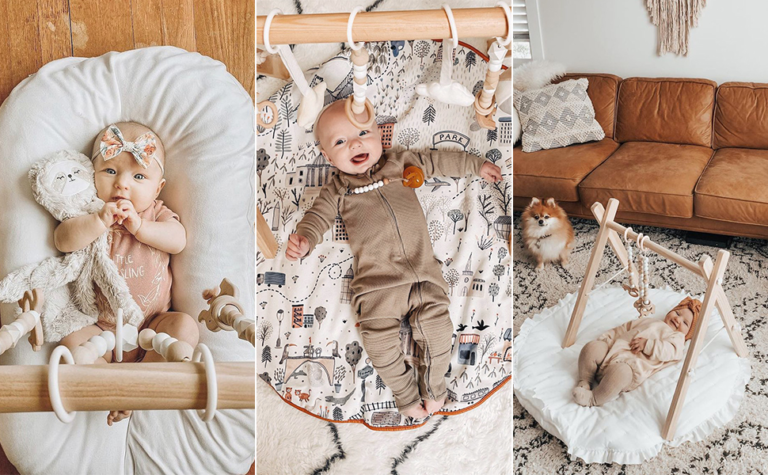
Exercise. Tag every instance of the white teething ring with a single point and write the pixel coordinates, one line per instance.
(638, 239)
(508, 39)
(53, 383)
(358, 46)
(642, 243)
(452, 24)
(210, 377)
(271, 15)
(626, 230)
(119, 336)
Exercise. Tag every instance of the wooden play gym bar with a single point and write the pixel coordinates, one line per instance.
(610, 232)
(205, 385)
(382, 26)
(368, 27)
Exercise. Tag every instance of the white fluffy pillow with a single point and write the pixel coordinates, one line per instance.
(536, 74)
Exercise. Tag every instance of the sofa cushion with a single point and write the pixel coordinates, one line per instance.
(677, 111)
(646, 177)
(733, 187)
(741, 115)
(556, 173)
(557, 115)
(602, 91)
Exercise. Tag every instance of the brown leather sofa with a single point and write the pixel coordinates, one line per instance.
(678, 153)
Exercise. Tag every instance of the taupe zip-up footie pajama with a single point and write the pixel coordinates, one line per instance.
(396, 272)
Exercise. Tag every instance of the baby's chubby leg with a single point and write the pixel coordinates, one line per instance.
(380, 314)
(75, 339)
(176, 324)
(590, 358)
(617, 378)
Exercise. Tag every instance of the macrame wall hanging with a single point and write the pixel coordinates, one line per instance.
(674, 18)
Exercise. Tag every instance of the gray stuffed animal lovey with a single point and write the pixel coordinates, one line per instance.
(63, 184)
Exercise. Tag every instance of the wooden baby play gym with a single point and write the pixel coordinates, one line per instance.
(610, 232)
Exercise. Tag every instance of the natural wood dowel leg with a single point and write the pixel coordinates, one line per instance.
(724, 308)
(592, 266)
(614, 240)
(710, 297)
(729, 320)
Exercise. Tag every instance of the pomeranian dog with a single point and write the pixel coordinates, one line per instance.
(547, 233)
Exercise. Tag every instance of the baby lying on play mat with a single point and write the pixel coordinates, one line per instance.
(396, 271)
(622, 358)
(128, 161)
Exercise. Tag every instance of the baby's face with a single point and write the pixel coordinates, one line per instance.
(348, 148)
(122, 177)
(680, 320)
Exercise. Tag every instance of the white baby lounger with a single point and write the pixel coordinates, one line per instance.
(205, 119)
(627, 430)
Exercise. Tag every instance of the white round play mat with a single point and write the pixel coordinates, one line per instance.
(628, 429)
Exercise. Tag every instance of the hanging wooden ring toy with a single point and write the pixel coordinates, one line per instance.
(485, 100)
(272, 109)
(631, 268)
(357, 103)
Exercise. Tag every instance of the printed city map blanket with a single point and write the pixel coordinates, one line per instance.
(309, 348)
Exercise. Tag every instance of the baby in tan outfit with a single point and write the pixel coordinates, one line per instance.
(129, 165)
(622, 358)
(396, 274)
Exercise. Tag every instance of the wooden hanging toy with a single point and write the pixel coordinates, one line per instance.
(28, 322)
(485, 100)
(643, 303)
(225, 312)
(713, 297)
(631, 288)
(357, 103)
(127, 338)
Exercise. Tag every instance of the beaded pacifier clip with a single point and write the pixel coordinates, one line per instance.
(412, 177)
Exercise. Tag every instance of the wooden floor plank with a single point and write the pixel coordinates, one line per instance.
(147, 18)
(100, 26)
(6, 74)
(55, 33)
(21, 43)
(225, 31)
(179, 24)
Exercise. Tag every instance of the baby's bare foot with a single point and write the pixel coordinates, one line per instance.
(117, 416)
(432, 406)
(416, 412)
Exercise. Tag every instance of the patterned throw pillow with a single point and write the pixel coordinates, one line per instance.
(557, 115)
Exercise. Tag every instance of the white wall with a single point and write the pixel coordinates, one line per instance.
(617, 36)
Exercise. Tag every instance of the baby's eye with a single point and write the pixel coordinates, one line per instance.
(339, 142)
(139, 176)
(111, 171)
(364, 132)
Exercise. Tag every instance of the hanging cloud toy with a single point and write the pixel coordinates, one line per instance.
(447, 91)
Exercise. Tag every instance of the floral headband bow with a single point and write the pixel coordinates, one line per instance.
(143, 149)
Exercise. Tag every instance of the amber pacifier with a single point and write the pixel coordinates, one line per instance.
(413, 177)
